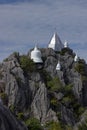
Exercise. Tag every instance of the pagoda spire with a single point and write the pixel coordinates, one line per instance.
(55, 43)
(65, 44)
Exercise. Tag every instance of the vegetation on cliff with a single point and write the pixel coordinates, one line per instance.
(42, 97)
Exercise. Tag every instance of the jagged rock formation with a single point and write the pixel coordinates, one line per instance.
(8, 121)
(40, 91)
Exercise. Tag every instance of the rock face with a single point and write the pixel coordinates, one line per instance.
(36, 90)
(40, 104)
(8, 121)
(67, 115)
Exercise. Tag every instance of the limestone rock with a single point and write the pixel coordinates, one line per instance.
(8, 121)
(67, 116)
(51, 116)
(59, 95)
(30, 93)
(40, 104)
(83, 119)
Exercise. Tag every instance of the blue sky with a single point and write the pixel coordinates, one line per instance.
(24, 23)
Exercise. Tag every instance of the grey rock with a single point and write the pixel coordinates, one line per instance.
(84, 94)
(46, 52)
(83, 119)
(8, 121)
(67, 116)
(50, 65)
(77, 87)
(29, 93)
(61, 78)
(40, 104)
(59, 95)
(15, 84)
(68, 61)
(35, 76)
(51, 116)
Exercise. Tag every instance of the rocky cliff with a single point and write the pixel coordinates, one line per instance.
(8, 121)
(41, 92)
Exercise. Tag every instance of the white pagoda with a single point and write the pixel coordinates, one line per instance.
(76, 58)
(58, 67)
(56, 43)
(65, 44)
(36, 55)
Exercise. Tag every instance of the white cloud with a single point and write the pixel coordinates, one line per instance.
(24, 24)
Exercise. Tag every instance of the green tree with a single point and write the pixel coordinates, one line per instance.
(66, 50)
(81, 67)
(33, 124)
(68, 128)
(54, 126)
(20, 116)
(55, 84)
(4, 98)
(83, 126)
(27, 64)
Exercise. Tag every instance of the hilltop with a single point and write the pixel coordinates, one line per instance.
(39, 94)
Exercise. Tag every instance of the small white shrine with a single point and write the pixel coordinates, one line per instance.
(36, 55)
(58, 67)
(76, 58)
(65, 44)
(55, 43)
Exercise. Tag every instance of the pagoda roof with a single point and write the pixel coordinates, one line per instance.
(55, 43)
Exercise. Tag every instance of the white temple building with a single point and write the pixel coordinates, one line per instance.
(58, 67)
(65, 44)
(56, 43)
(36, 55)
(76, 58)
